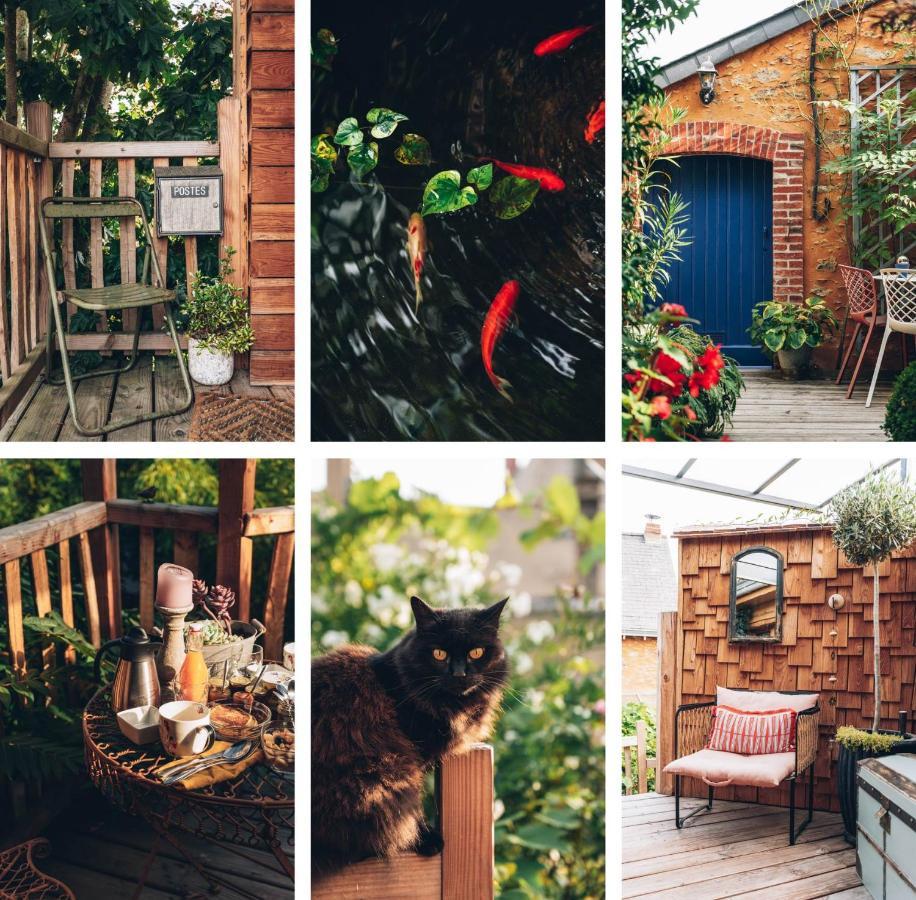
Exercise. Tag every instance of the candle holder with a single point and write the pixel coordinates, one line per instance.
(172, 653)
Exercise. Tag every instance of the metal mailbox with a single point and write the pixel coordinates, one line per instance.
(189, 200)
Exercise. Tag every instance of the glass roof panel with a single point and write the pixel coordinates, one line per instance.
(743, 474)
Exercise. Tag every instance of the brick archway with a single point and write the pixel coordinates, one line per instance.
(785, 151)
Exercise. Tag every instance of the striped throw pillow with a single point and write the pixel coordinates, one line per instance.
(751, 733)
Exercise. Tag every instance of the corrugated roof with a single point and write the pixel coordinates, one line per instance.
(649, 584)
(743, 40)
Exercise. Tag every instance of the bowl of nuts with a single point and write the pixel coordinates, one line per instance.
(279, 746)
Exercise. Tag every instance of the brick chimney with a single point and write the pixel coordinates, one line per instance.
(653, 529)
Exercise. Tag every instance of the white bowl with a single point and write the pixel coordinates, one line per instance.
(140, 724)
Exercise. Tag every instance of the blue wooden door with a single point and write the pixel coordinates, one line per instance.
(728, 267)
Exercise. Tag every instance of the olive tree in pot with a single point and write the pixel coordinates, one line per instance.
(870, 521)
(218, 325)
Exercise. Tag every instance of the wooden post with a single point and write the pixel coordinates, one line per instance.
(338, 480)
(642, 772)
(281, 566)
(229, 115)
(100, 482)
(467, 825)
(667, 700)
(233, 549)
(38, 123)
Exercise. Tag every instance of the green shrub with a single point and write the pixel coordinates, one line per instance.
(790, 326)
(856, 739)
(632, 713)
(217, 311)
(900, 415)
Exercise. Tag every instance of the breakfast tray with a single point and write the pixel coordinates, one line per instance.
(254, 810)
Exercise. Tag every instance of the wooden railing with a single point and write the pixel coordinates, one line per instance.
(636, 743)
(464, 869)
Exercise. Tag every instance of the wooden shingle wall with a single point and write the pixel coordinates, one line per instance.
(821, 650)
(270, 69)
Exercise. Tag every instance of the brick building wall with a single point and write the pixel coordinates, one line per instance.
(640, 670)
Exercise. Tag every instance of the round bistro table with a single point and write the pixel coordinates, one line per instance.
(254, 810)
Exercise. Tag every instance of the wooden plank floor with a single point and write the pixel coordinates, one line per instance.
(154, 384)
(99, 852)
(775, 409)
(737, 850)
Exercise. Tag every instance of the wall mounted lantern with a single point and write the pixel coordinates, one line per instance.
(707, 73)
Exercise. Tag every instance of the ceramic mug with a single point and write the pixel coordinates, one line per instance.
(184, 728)
(289, 657)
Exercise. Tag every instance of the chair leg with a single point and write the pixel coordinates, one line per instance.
(861, 358)
(874, 380)
(842, 344)
(65, 359)
(793, 834)
(677, 804)
(792, 810)
(903, 349)
(849, 349)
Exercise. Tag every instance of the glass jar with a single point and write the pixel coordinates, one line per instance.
(278, 741)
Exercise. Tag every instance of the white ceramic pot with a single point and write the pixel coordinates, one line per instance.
(210, 367)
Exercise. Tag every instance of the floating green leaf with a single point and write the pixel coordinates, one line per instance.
(444, 194)
(324, 49)
(348, 133)
(322, 148)
(512, 196)
(482, 176)
(363, 158)
(383, 121)
(414, 151)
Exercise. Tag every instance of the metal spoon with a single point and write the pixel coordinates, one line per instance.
(235, 753)
(257, 681)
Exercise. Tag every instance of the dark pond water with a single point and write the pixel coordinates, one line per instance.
(466, 76)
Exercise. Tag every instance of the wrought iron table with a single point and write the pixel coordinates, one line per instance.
(254, 810)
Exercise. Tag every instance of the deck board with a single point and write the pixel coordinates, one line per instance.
(738, 850)
(775, 409)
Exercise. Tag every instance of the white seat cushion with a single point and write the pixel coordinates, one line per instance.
(720, 769)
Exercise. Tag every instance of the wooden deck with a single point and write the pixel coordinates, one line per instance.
(737, 850)
(154, 384)
(775, 409)
(99, 852)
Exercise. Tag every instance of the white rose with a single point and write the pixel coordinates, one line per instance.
(334, 638)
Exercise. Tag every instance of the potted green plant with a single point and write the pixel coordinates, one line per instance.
(790, 331)
(218, 325)
(870, 519)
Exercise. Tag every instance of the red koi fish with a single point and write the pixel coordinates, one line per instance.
(493, 327)
(548, 180)
(556, 43)
(595, 123)
(416, 251)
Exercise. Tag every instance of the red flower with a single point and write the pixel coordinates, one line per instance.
(690, 414)
(661, 406)
(707, 374)
(674, 309)
(711, 358)
(671, 369)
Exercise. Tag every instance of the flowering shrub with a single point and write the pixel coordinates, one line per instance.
(370, 554)
(662, 375)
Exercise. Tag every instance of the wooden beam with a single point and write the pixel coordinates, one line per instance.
(41, 586)
(45, 531)
(407, 875)
(233, 549)
(39, 122)
(235, 186)
(66, 594)
(281, 566)
(467, 825)
(147, 570)
(667, 700)
(100, 482)
(10, 136)
(13, 590)
(130, 149)
(89, 591)
(270, 520)
(14, 390)
(120, 340)
(163, 515)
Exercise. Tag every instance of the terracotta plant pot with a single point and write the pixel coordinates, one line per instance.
(794, 363)
(209, 367)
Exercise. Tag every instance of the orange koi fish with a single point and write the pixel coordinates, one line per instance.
(416, 250)
(595, 123)
(559, 42)
(548, 180)
(493, 327)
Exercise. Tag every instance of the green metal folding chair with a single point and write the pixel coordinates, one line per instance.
(149, 291)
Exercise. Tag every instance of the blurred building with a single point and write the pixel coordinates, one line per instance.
(649, 588)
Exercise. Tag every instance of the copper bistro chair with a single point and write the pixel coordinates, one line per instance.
(150, 290)
(900, 292)
(862, 309)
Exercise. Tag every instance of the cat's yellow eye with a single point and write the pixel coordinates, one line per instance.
(476, 653)
(439, 654)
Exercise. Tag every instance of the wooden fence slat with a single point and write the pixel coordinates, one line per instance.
(68, 170)
(14, 220)
(127, 187)
(642, 772)
(38, 118)
(407, 875)
(45, 531)
(66, 594)
(13, 587)
(4, 329)
(147, 568)
(161, 249)
(32, 251)
(185, 552)
(190, 243)
(131, 149)
(467, 825)
(41, 586)
(667, 699)
(95, 228)
(281, 566)
(22, 175)
(92, 600)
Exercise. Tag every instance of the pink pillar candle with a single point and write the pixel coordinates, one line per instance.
(173, 587)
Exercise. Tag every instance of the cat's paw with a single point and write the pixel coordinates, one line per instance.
(429, 843)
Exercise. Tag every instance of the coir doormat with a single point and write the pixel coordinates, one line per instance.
(218, 417)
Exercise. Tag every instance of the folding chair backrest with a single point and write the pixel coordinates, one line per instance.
(860, 289)
(900, 290)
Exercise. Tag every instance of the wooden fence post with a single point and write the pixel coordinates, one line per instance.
(38, 123)
(667, 700)
(233, 549)
(100, 482)
(467, 825)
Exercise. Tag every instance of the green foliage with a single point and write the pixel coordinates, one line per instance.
(52, 627)
(632, 713)
(371, 553)
(900, 414)
(414, 151)
(512, 195)
(857, 739)
(777, 325)
(324, 48)
(348, 133)
(384, 121)
(443, 194)
(481, 176)
(363, 158)
(217, 311)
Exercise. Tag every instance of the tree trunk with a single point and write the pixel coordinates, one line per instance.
(9, 60)
(876, 627)
(72, 119)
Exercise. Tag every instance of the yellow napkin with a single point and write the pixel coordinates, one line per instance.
(214, 774)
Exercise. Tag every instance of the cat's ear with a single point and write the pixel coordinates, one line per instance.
(490, 616)
(425, 615)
